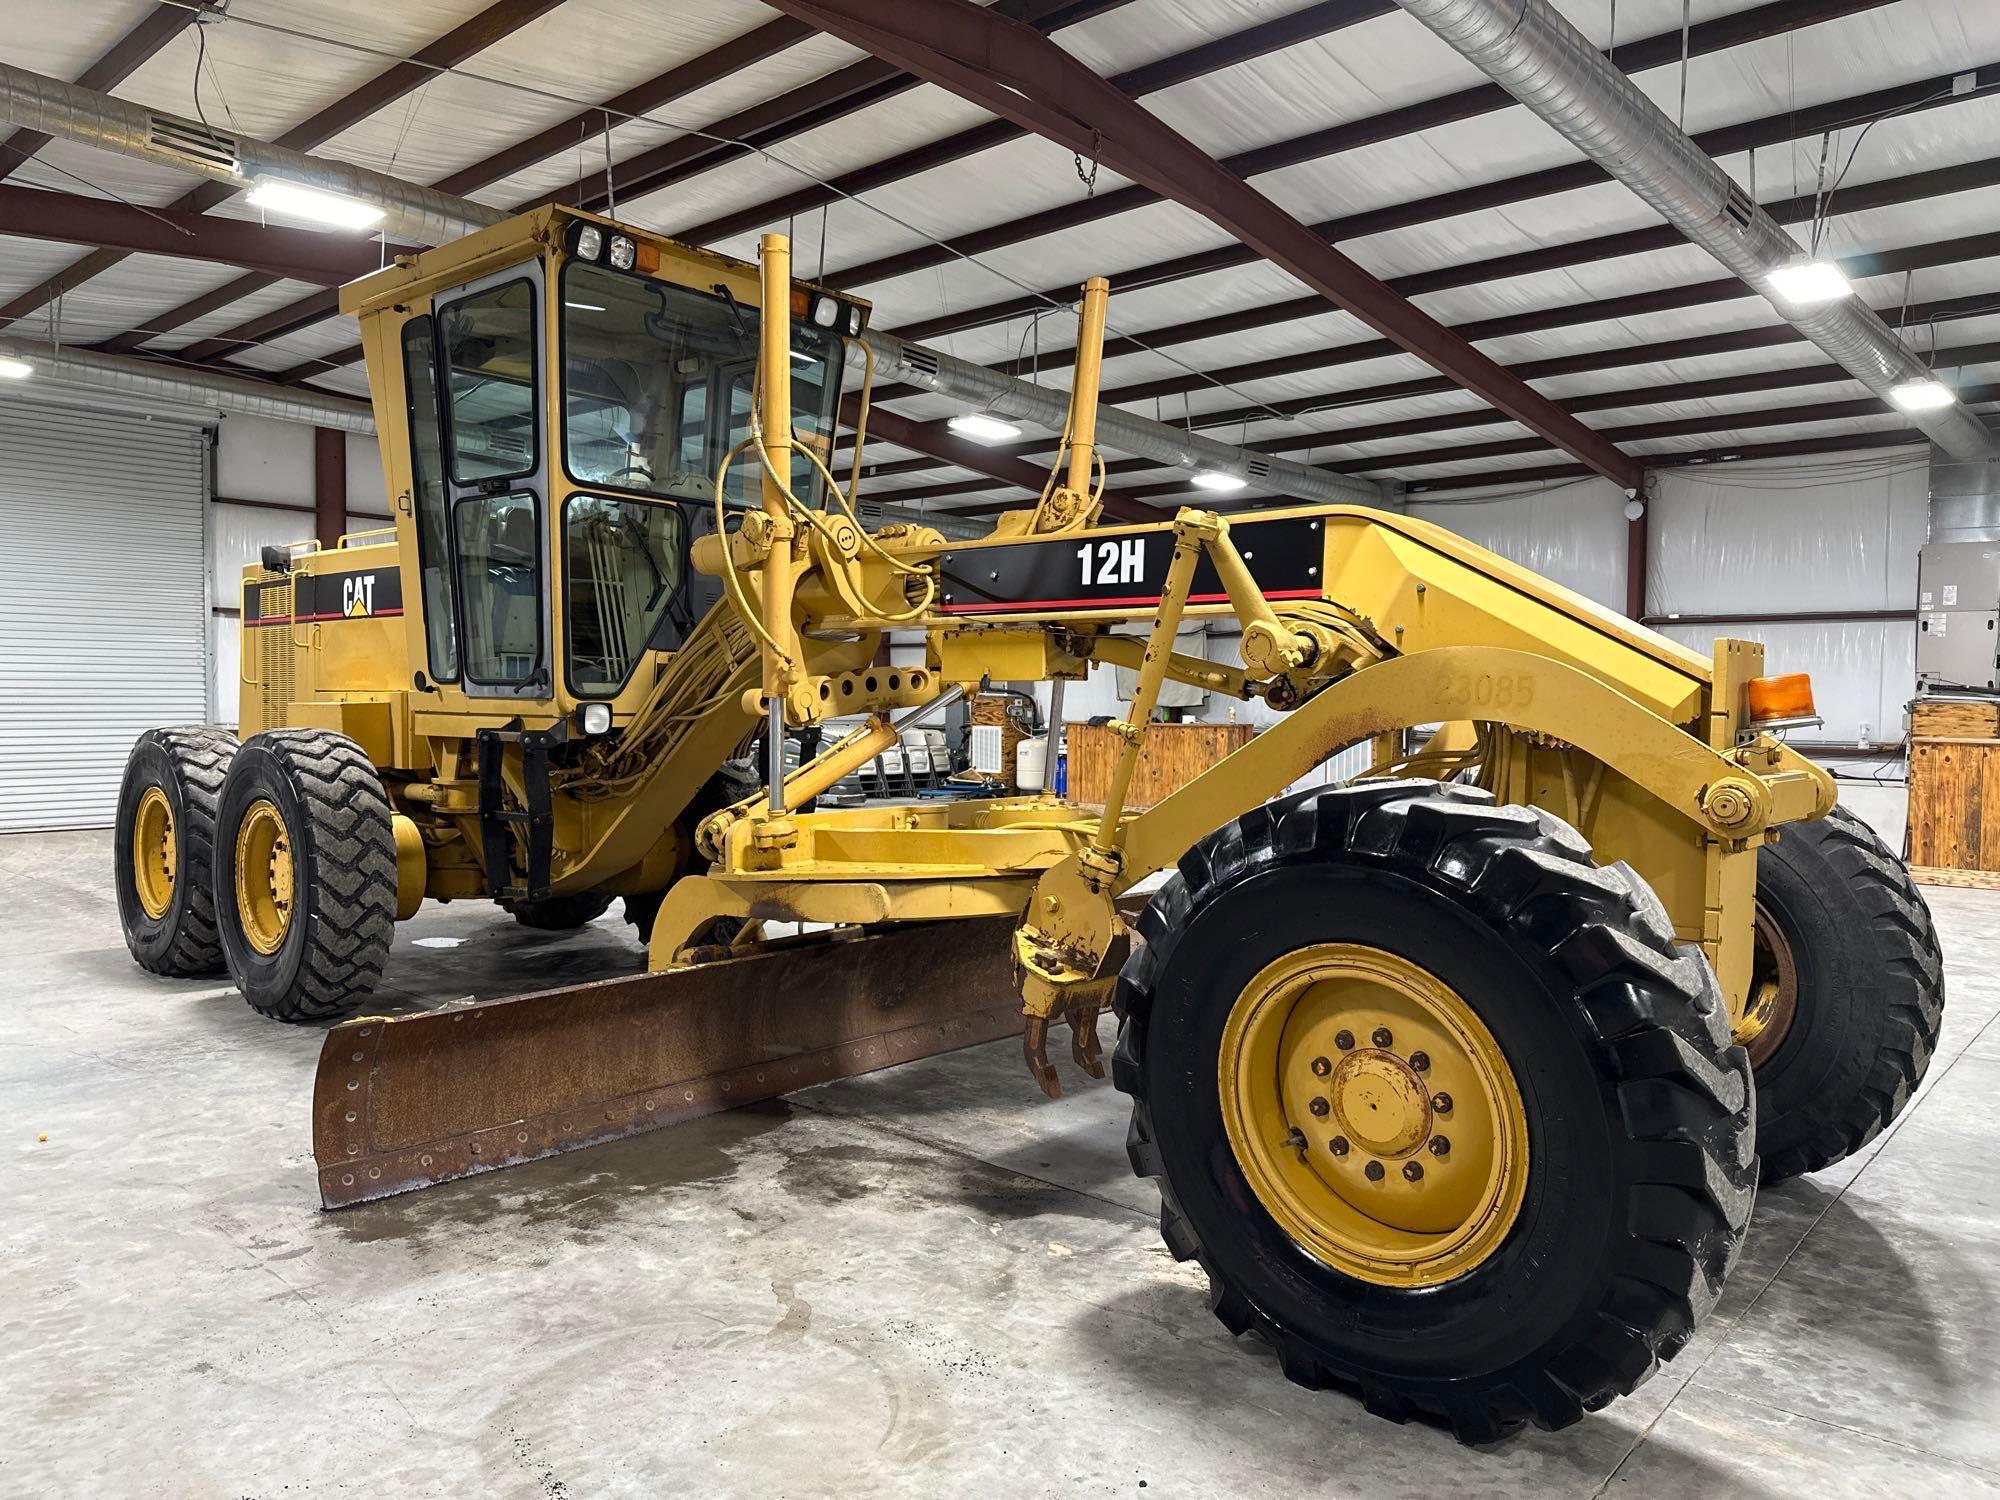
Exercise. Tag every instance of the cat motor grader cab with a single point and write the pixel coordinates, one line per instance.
(1455, 1078)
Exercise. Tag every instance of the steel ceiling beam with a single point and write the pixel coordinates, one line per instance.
(1011, 70)
(500, 19)
(113, 66)
(299, 254)
(756, 128)
(1703, 346)
(1840, 442)
(1210, 56)
(1771, 19)
(1886, 193)
(1532, 50)
(1749, 135)
(698, 72)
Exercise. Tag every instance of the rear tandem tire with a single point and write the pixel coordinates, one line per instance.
(186, 765)
(558, 913)
(1639, 1172)
(1868, 993)
(322, 941)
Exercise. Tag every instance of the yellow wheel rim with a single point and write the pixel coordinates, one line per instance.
(154, 852)
(264, 883)
(1374, 1115)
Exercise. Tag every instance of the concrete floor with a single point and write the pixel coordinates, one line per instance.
(922, 1283)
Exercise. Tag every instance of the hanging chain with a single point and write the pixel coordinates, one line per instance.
(1089, 179)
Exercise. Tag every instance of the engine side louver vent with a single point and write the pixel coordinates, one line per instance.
(1739, 208)
(192, 142)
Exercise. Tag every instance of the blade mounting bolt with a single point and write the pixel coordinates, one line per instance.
(1373, 1171)
(1338, 1145)
(1441, 1103)
(1413, 1171)
(1321, 1067)
(1440, 1145)
(1318, 1107)
(1421, 1061)
(1344, 1040)
(1383, 1036)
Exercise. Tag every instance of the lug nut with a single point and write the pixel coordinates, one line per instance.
(1373, 1171)
(1343, 1040)
(1440, 1146)
(1383, 1036)
(1421, 1061)
(1321, 1067)
(1318, 1107)
(1441, 1103)
(1413, 1171)
(1338, 1145)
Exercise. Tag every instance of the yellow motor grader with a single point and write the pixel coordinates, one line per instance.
(1455, 1078)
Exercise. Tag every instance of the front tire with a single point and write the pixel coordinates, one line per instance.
(305, 874)
(1638, 1175)
(162, 849)
(1850, 965)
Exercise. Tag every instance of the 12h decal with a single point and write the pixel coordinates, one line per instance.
(1115, 561)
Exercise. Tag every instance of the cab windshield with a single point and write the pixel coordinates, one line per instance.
(656, 387)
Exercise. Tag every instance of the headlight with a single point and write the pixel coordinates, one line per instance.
(853, 320)
(825, 312)
(596, 718)
(589, 242)
(623, 252)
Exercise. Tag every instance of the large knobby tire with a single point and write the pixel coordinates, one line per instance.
(1639, 1171)
(165, 832)
(558, 913)
(309, 800)
(1850, 1040)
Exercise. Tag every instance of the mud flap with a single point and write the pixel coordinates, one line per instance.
(408, 1102)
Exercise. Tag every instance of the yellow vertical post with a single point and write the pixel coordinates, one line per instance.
(774, 420)
(1191, 530)
(1084, 389)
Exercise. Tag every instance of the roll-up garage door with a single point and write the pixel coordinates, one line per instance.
(103, 604)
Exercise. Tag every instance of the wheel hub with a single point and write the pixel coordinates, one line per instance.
(1774, 991)
(155, 854)
(1380, 1103)
(1373, 1114)
(264, 877)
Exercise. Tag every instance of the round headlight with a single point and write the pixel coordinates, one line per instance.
(589, 242)
(623, 252)
(825, 312)
(596, 718)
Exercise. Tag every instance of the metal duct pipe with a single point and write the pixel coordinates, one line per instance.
(1965, 498)
(32, 101)
(151, 380)
(428, 217)
(1527, 48)
(1005, 396)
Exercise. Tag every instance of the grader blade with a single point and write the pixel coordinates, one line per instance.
(408, 1102)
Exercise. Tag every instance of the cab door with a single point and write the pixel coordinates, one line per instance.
(491, 344)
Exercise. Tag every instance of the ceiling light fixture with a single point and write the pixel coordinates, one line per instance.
(1810, 283)
(14, 369)
(982, 428)
(1922, 395)
(294, 200)
(1215, 479)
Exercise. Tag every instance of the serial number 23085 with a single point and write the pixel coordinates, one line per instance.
(1487, 690)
